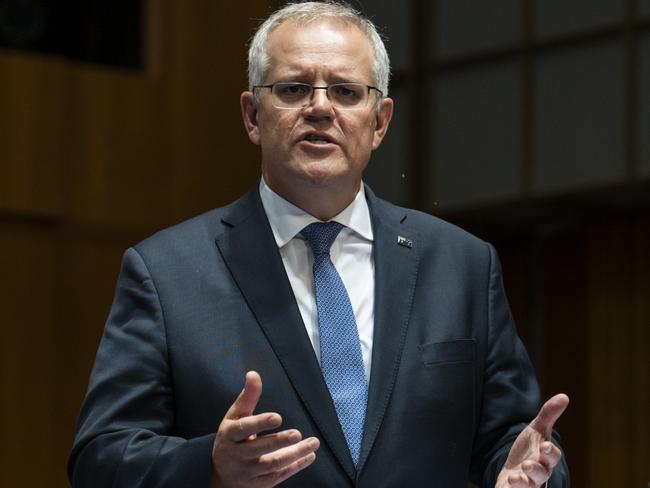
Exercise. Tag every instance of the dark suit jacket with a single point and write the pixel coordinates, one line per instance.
(202, 303)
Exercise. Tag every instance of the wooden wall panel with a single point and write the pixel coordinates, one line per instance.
(641, 352)
(168, 143)
(213, 160)
(33, 126)
(618, 354)
(119, 164)
(566, 331)
(92, 160)
(28, 378)
(588, 311)
(88, 264)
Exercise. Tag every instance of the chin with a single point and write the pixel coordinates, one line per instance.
(321, 173)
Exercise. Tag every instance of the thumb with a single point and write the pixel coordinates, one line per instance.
(549, 413)
(246, 402)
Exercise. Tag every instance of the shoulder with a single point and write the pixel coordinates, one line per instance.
(192, 232)
(192, 239)
(431, 231)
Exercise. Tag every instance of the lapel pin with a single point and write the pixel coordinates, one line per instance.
(404, 241)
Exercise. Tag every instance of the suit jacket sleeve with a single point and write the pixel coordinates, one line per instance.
(510, 393)
(125, 435)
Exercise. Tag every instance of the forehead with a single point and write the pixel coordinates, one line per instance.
(332, 48)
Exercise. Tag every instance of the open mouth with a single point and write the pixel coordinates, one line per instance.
(319, 139)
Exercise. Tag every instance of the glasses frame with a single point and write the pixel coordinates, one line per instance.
(326, 88)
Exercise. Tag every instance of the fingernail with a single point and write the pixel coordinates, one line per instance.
(548, 449)
(294, 436)
(313, 443)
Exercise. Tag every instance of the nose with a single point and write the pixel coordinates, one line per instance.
(320, 104)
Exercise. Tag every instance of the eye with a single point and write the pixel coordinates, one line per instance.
(291, 91)
(348, 93)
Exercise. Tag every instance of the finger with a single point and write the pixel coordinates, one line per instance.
(537, 472)
(294, 467)
(270, 442)
(549, 454)
(242, 429)
(549, 413)
(280, 459)
(519, 480)
(247, 400)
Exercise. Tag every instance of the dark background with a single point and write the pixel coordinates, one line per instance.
(524, 121)
(98, 31)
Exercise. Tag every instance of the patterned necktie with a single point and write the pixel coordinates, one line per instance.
(340, 350)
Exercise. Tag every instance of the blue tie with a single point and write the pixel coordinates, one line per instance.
(340, 350)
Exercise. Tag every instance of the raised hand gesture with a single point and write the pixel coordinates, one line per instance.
(533, 456)
(242, 458)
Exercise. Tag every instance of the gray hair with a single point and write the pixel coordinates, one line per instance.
(304, 13)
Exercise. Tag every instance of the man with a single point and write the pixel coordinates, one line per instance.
(381, 335)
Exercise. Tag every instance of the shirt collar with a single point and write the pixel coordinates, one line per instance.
(287, 220)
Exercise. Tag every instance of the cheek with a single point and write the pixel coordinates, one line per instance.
(275, 126)
(361, 126)
(361, 135)
(281, 130)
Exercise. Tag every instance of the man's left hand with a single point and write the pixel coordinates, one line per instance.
(533, 456)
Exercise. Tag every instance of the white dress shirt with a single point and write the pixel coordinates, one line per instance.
(351, 254)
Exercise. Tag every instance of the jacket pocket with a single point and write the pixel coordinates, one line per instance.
(449, 352)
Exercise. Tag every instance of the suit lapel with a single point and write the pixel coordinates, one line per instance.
(251, 254)
(396, 266)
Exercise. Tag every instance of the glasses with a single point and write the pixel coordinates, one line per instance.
(343, 96)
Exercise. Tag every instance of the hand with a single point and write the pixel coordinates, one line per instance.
(533, 456)
(241, 458)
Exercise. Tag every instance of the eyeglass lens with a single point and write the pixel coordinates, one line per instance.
(341, 95)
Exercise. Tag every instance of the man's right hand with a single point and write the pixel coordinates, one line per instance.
(241, 458)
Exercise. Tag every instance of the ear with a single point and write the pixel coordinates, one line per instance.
(249, 114)
(382, 119)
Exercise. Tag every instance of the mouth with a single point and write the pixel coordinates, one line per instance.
(318, 138)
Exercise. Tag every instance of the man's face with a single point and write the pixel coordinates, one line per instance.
(318, 146)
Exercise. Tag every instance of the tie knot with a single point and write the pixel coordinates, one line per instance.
(321, 235)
